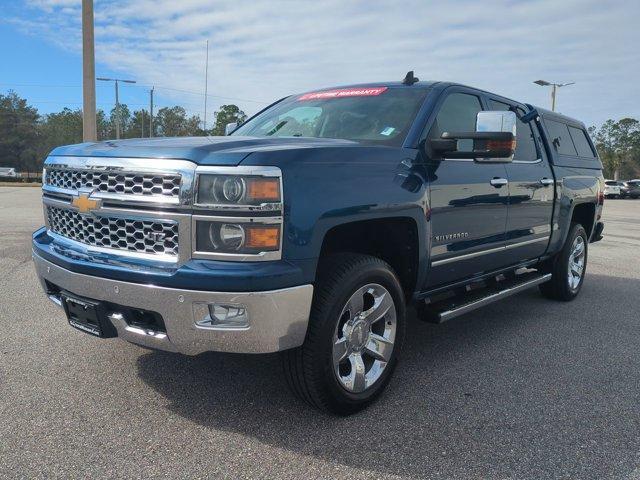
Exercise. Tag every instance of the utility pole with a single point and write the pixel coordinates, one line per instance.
(89, 129)
(142, 122)
(206, 84)
(554, 90)
(116, 80)
(117, 113)
(151, 112)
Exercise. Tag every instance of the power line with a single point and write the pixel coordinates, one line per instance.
(140, 85)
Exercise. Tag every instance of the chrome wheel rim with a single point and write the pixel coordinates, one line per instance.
(576, 263)
(364, 338)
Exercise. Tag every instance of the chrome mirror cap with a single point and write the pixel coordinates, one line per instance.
(230, 127)
(496, 122)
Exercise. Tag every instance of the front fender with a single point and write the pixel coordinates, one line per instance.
(329, 187)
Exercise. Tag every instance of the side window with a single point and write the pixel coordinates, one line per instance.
(457, 114)
(560, 137)
(525, 144)
(581, 143)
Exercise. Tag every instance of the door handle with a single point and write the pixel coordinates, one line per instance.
(499, 182)
(547, 181)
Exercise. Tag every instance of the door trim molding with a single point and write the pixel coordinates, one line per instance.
(437, 263)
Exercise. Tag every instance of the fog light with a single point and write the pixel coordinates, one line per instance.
(221, 315)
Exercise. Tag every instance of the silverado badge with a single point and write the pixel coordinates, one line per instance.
(451, 236)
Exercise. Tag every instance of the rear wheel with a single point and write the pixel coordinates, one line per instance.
(568, 268)
(355, 333)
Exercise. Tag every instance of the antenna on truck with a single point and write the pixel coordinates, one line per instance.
(409, 79)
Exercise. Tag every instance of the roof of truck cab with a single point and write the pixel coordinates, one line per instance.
(418, 85)
(544, 113)
(427, 84)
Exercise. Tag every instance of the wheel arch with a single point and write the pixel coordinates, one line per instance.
(396, 239)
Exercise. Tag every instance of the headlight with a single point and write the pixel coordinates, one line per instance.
(234, 190)
(238, 213)
(236, 237)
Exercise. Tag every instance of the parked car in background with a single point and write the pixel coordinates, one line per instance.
(632, 188)
(8, 172)
(612, 189)
(624, 190)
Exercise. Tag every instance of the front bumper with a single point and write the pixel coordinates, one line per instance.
(277, 319)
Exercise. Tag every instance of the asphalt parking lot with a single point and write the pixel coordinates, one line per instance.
(525, 388)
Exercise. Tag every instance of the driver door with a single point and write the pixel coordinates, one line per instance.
(469, 200)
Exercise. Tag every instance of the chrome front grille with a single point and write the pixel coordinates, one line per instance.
(143, 236)
(126, 183)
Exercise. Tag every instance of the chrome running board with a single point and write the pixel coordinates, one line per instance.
(446, 310)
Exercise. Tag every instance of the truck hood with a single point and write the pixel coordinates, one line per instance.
(201, 150)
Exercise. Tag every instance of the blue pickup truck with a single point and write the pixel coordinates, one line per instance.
(310, 228)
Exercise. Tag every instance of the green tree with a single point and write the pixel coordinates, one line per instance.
(227, 114)
(618, 144)
(19, 136)
(62, 128)
(139, 125)
(125, 121)
(103, 126)
(173, 122)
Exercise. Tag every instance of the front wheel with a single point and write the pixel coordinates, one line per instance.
(355, 333)
(569, 267)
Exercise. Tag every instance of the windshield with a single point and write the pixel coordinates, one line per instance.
(370, 114)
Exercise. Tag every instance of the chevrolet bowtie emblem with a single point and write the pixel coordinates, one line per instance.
(84, 204)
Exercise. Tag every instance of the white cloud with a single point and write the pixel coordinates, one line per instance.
(263, 50)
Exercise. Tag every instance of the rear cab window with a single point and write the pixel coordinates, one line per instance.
(581, 142)
(560, 138)
(569, 142)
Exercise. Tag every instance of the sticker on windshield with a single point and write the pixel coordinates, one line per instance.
(343, 92)
(387, 131)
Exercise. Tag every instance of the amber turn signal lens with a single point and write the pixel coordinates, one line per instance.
(501, 145)
(263, 189)
(266, 238)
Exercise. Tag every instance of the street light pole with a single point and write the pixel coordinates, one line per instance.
(116, 80)
(117, 113)
(554, 90)
(206, 85)
(151, 112)
(89, 128)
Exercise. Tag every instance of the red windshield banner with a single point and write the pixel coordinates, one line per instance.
(343, 92)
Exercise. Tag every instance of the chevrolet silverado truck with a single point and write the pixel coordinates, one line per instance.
(310, 228)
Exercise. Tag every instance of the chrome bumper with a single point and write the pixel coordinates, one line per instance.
(277, 320)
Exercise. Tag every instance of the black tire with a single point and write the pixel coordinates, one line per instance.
(559, 288)
(309, 369)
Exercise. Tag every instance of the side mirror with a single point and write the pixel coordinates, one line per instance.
(230, 127)
(493, 141)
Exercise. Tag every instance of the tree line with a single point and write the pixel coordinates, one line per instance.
(27, 137)
(618, 144)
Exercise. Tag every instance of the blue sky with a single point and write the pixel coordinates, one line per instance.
(261, 50)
